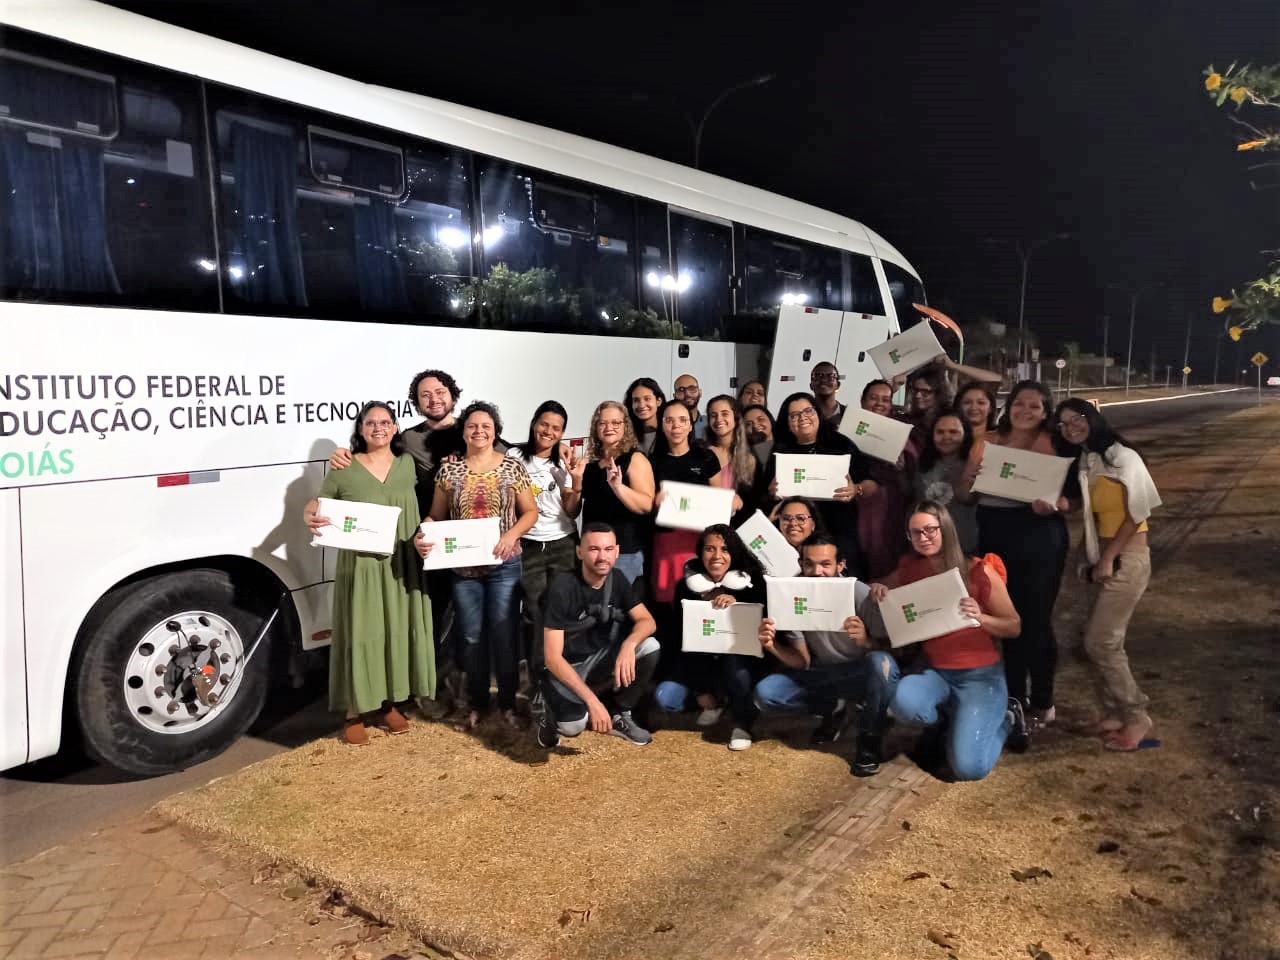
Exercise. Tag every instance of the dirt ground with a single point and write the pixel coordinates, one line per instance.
(603, 850)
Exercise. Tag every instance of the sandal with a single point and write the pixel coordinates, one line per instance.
(1128, 738)
(395, 721)
(354, 732)
(1099, 727)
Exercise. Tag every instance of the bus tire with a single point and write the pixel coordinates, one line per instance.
(136, 685)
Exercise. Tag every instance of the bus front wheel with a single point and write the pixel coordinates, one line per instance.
(168, 675)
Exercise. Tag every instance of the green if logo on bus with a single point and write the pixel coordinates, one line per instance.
(862, 428)
(798, 475)
(757, 543)
(450, 544)
(800, 604)
(909, 612)
(1006, 470)
(684, 504)
(348, 524)
(708, 628)
(895, 356)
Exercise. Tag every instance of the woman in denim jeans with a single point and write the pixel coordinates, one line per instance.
(965, 678)
(484, 483)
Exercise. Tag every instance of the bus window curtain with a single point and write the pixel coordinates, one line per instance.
(379, 266)
(54, 208)
(266, 202)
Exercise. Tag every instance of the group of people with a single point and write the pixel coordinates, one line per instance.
(600, 584)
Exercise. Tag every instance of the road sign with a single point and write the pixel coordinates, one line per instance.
(1060, 363)
(1259, 358)
(1186, 370)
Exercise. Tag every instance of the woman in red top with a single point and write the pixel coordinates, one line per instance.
(964, 678)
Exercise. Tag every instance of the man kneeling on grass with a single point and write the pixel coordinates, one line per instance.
(596, 670)
(826, 670)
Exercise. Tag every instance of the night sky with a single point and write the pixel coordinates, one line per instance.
(954, 130)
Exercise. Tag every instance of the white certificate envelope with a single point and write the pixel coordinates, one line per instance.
(810, 603)
(812, 475)
(366, 527)
(731, 629)
(925, 609)
(762, 538)
(693, 506)
(1021, 474)
(874, 435)
(462, 543)
(908, 351)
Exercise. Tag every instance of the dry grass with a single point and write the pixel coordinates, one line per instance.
(498, 850)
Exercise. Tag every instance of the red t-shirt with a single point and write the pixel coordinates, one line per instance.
(960, 649)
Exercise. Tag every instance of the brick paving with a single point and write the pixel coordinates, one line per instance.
(145, 888)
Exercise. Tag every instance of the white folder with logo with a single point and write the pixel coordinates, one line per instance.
(874, 435)
(731, 629)
(762, 538)
(813, 475)
(693, 506)
(461, 543)
(364, 527)
(909, 350)
(810, 603)
(925, 609)
(1021, 474)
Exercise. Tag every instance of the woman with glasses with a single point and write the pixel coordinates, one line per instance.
(613, 484)
(381, 652)
(797, 518)
(1032, 542)
(882, 513)
(928, 394)
(486, 483)
(963, 685)
(1118, 497)
(941, 471)
(976, 403)
(801, 430)
(739, 470)
(677, 457)
(642, 401)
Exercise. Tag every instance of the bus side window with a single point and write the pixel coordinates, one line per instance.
(103, 198)
(703, 295)
(560, 255)
(864, 291)
(905, 290)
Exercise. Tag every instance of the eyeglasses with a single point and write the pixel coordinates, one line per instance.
(379, 424)
(808, 413)
(794, 518)
(681, 391)
(613, 424)
(825, 378)
(924, 533)
(1071, 422)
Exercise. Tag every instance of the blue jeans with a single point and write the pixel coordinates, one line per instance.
(488, 612)
(816, 690)
(630, 565)
(737, 675)
(976, 700)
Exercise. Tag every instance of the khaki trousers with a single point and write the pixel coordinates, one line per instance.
(1113, 604)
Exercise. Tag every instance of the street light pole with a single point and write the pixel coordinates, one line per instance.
(759, 81)
(1134, 296)
(1025, 257)
(1106, 329)
(1186, 352)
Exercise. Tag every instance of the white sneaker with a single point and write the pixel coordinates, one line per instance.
(740, 739)
(709, 716)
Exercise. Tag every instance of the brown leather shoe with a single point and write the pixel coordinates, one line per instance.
(395, 721)
(354, 733)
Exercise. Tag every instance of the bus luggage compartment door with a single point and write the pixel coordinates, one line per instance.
(13, 668)
(806, 337)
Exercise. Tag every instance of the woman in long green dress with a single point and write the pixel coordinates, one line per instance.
(382, 652)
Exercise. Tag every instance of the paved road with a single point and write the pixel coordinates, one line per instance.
(57, 800)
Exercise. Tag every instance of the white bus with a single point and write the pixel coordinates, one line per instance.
(211, 257)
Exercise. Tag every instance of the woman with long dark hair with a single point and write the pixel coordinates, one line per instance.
(642, 400)
(802, 430)
(723, 571)
(964, 680)
(941, 474)
(740, 472)
(752, 394)
(1118, 496)
(549, 546)
(485, 483)
(882, 512)
(1032, 542)
(613, 484)
(976, 403)
(760, 426)
(381, 651)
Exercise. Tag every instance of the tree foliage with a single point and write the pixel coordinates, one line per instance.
(1258, 301)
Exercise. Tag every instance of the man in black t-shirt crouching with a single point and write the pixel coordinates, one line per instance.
(599, 647)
